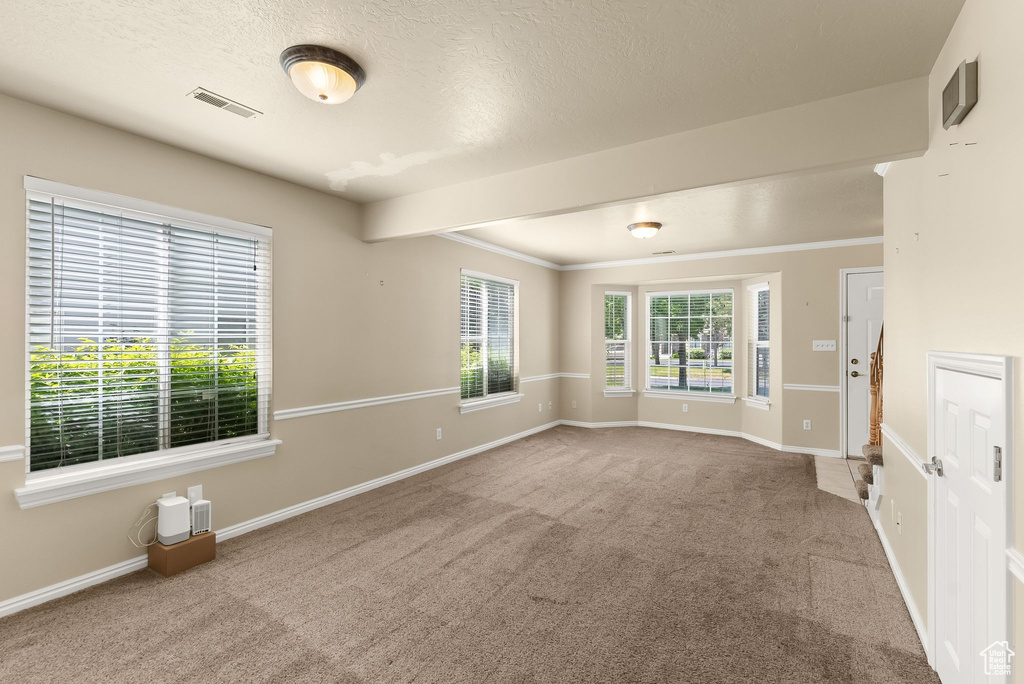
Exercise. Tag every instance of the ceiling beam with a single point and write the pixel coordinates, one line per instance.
(866, 127)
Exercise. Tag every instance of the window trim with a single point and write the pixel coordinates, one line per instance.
(80, 479)
(615, 391)
(501, 398)
(70, 482)
(695, 396)
(756, 400)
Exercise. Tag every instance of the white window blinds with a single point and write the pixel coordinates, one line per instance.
(145, 333)
(616, 341)
(690, 335)
(488, 336)
(758, 338)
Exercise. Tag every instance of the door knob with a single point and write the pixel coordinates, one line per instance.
(853, 361)
(854, 374)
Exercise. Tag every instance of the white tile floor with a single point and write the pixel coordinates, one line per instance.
(837, 475)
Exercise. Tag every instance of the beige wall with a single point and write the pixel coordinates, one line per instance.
(805, 304)
(357, 302)
(953, 243)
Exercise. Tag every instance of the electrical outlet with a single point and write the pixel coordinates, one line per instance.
(540, 408)
(807, 425)
(574, 403)
(899, 523)
(195, 493)
(686, 408)
(439, 434)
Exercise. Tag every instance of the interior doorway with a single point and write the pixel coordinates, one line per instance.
(862, 302)
(969, 400)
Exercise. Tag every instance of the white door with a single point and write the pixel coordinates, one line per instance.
(968, 423)
(864, 304)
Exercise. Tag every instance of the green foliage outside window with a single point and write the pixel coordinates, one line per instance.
(103, 401)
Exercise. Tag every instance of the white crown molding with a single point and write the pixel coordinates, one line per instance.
(697, 256)
(39, 596)
(504, 251)
(286, 414)
(904, 448)
(1016, 563)
(728, 253)
(15, 452)
(812, 388)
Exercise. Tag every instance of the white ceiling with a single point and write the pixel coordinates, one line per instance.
(834, 205)
(456, 89)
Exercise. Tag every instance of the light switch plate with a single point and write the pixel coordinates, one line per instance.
(195, 493)
(439, 434)
(823, 345)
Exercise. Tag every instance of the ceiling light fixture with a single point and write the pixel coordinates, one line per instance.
(322, 74)
(644, 229)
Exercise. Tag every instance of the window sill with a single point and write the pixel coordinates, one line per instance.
(46, 488)
(612, 392)
(758, 403)
(691, 396)
(490, 402)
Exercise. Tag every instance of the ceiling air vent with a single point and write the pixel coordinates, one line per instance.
(667, 251)
(221, 102)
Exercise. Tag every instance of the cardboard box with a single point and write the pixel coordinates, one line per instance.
(196, 550)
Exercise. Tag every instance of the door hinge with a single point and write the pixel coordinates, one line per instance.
(997, 469)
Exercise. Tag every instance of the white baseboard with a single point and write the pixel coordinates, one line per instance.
(54, 591)
(39, 596)
(915, 616)
(341, 495)
(609, 424)
(813, 451)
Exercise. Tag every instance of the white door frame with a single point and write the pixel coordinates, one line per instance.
(999, 368)
(843, 272)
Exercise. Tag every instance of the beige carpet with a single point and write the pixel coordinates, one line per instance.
(623, 555)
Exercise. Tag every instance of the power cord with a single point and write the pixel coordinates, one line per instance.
(140, 525)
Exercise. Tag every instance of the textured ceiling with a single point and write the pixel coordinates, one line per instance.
(835, 205)
(457, 89)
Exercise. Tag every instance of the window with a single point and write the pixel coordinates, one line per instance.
(146, 333)
(691, 341)
(617, 351)
(758, 354)
(489, 330)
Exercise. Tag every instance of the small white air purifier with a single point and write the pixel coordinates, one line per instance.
(202, 516)
(172, 523)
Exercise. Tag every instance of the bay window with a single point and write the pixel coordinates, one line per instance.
(690, 337)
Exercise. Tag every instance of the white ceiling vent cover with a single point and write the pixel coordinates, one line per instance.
(221, 102)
